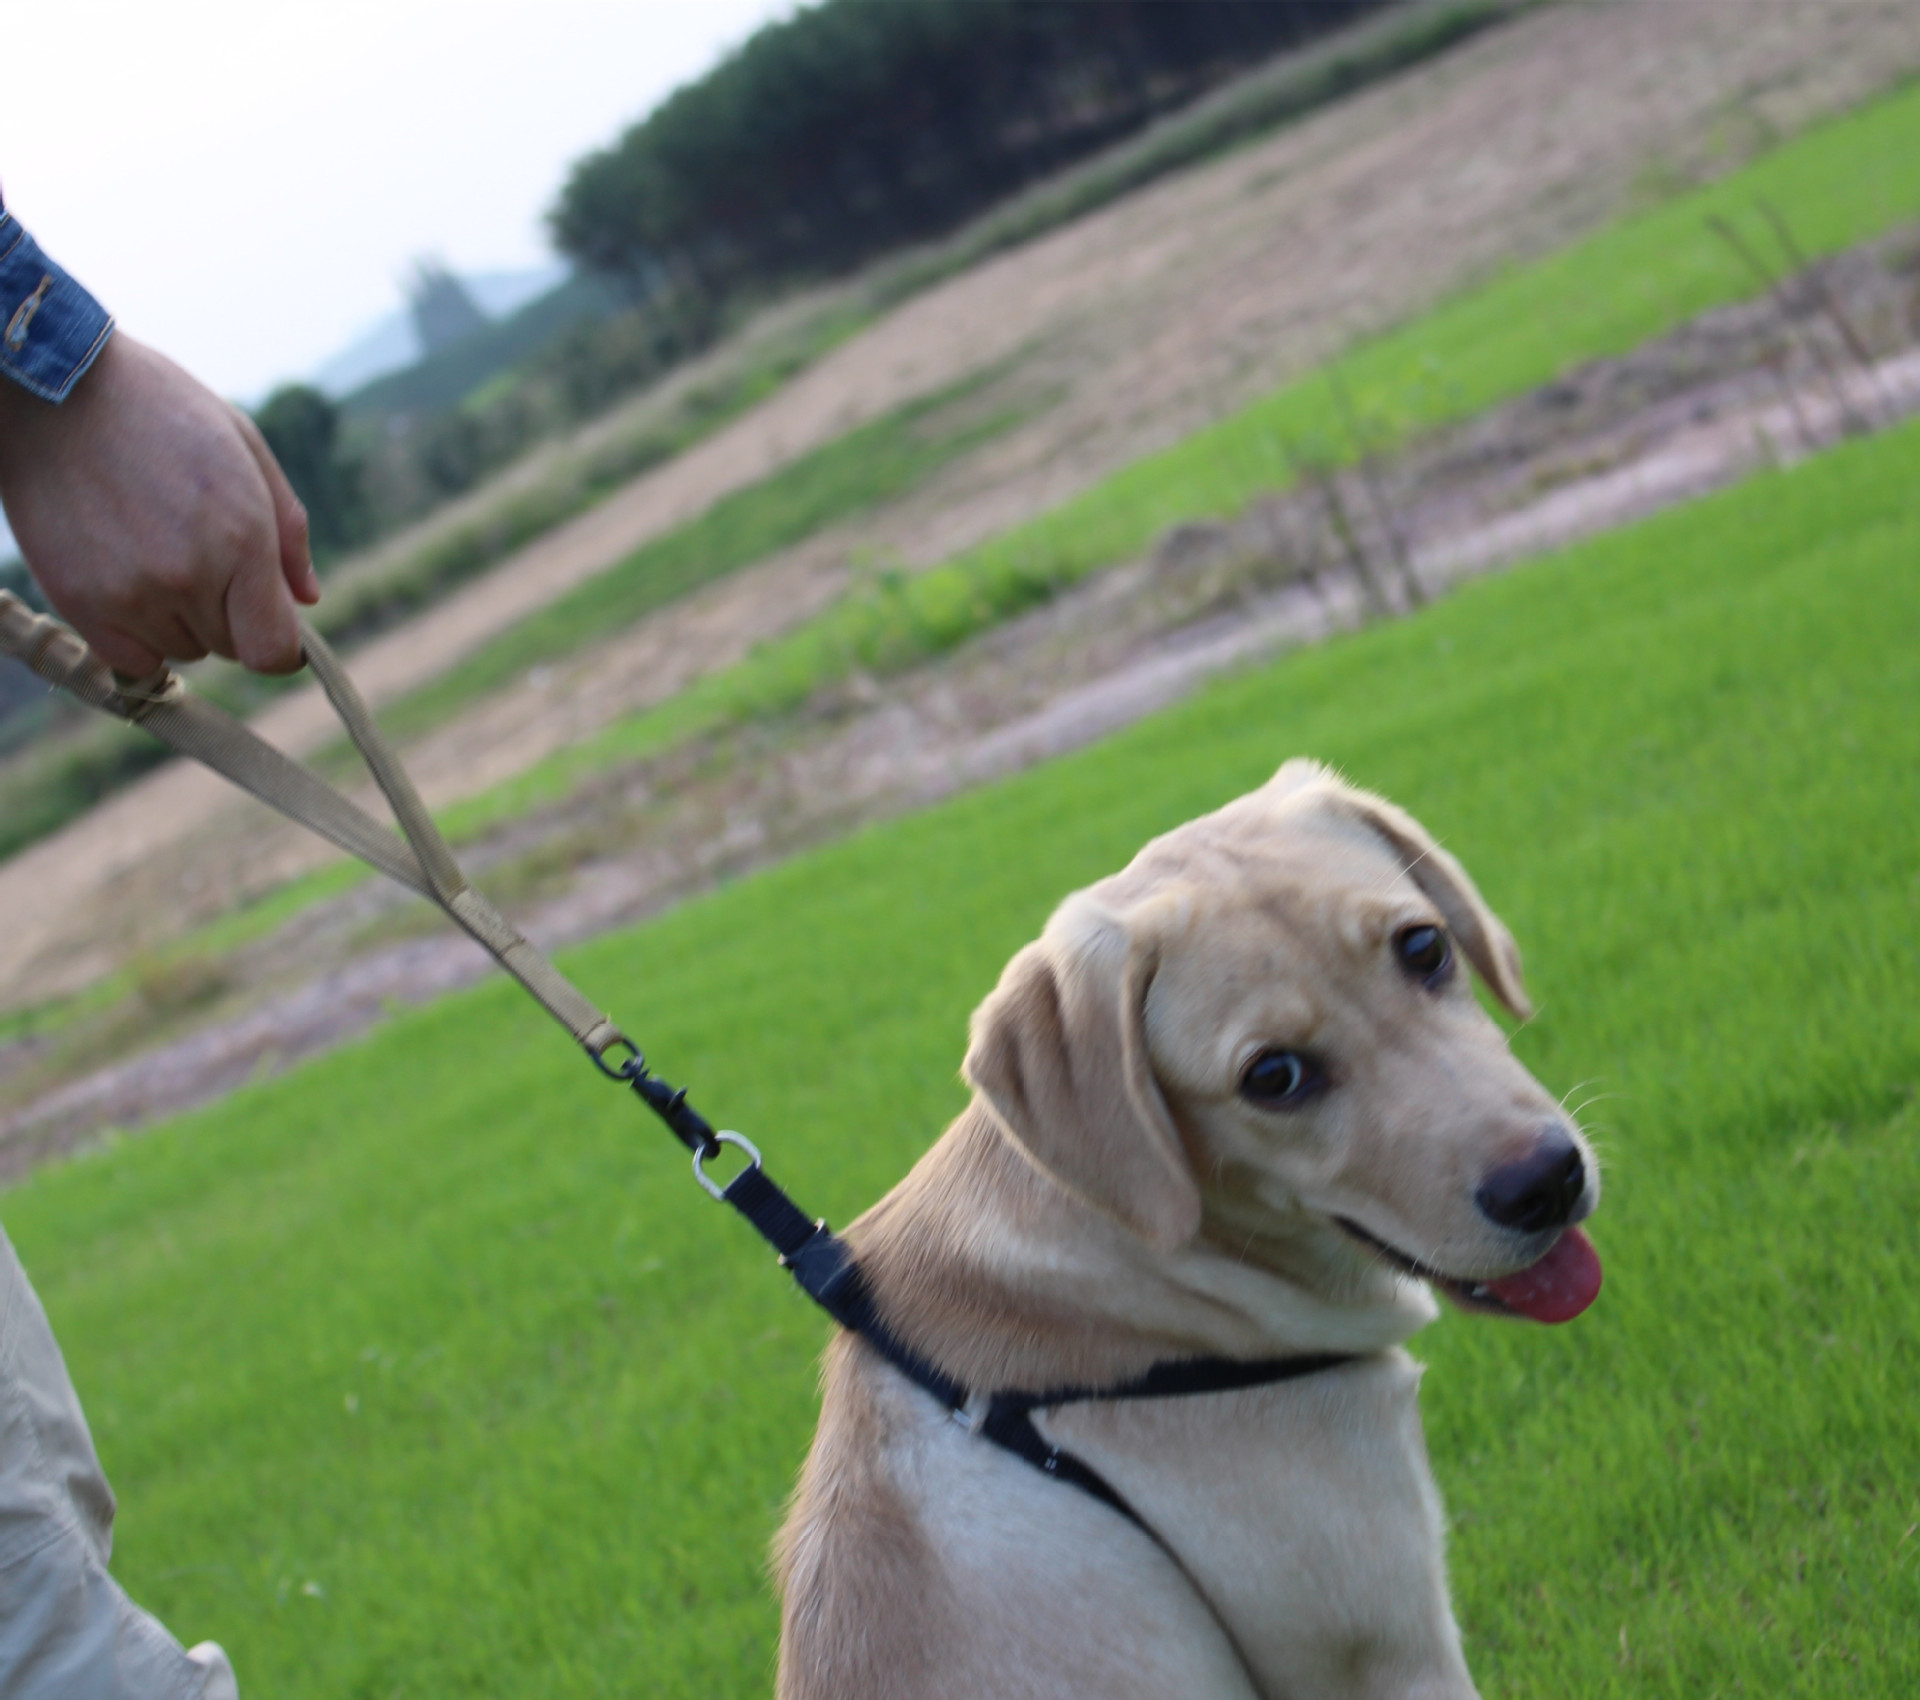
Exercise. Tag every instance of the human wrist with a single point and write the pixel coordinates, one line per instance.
(51, 330)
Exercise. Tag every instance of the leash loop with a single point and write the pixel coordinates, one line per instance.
(153, 690)
(622, 1070)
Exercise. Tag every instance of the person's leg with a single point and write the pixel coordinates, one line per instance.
(66, 1627)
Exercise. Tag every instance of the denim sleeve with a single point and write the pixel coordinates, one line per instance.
(50, 328)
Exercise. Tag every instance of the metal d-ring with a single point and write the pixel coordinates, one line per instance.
(623, 1070)
(725, 1137)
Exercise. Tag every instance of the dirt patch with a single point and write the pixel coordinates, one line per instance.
(1741, 389)
(1150, 318)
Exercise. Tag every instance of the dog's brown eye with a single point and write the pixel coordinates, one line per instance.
(1424, 952)
(1278, 1079)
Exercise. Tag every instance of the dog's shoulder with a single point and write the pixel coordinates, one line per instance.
(854, 1549)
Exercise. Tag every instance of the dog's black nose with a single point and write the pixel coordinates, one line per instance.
(1540, 1191)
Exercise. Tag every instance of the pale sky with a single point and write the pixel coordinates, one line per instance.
(244, 183)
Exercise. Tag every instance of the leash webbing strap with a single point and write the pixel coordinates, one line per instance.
(189, 724)
(819, 1261)
(446, 885)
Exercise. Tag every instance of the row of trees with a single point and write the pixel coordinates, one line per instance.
(849, 129)
(855, 126)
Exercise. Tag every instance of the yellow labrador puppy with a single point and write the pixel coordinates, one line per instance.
(1132, 1417)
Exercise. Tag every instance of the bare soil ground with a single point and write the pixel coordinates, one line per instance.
(1148, 318)
(1511, 146)
(1741, 389)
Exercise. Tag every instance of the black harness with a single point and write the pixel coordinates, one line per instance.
(824, 1266)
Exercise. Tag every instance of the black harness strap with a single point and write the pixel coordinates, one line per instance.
(1009, 1418)
(817, 1258)
(824, 1266)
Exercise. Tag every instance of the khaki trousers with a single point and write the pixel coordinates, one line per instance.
(67, 1630)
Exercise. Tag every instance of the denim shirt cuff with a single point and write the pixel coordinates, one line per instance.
(51, 329)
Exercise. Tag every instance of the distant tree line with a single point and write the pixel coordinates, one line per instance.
(848, 130)
(302, 427)
(856, 126)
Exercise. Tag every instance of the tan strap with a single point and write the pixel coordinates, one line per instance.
(164, 706)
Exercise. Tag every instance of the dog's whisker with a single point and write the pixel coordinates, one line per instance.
(1579, 1110)
(1592, 1097)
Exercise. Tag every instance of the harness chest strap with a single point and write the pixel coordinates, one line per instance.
(824, 1266)
(819, 1261)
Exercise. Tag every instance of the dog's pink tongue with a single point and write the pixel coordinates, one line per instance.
(1557, 1288)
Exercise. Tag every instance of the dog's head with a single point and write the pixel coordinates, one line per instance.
(1261, 1033)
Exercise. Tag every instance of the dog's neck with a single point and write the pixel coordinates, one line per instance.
(1002, 1277)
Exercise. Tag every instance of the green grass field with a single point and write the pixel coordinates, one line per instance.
(427, 1370)
(1841, 183)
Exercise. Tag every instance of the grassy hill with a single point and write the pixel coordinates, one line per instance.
(1841, 183)
(426, 1369)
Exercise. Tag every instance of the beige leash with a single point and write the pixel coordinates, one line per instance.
(818, 1260)
(164, 705)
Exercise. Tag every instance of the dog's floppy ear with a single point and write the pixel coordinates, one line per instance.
(1296, 774)
(1059, 1053)
(1482, 934)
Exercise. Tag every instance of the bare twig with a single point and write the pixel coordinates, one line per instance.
(1382, 510)
(1850, 420)
(1310, 473)
(1830, 304)
(1342, 522)
(1777, 370)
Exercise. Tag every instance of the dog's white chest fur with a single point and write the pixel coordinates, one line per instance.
(1301, 1557)
(1307, 1518)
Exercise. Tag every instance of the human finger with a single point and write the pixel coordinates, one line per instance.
(260, 616)
(139, 650)
(121, 651)
(289, 517)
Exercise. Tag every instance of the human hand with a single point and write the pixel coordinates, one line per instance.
(155, 517)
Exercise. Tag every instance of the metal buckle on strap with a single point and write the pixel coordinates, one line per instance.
(725, 1136)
